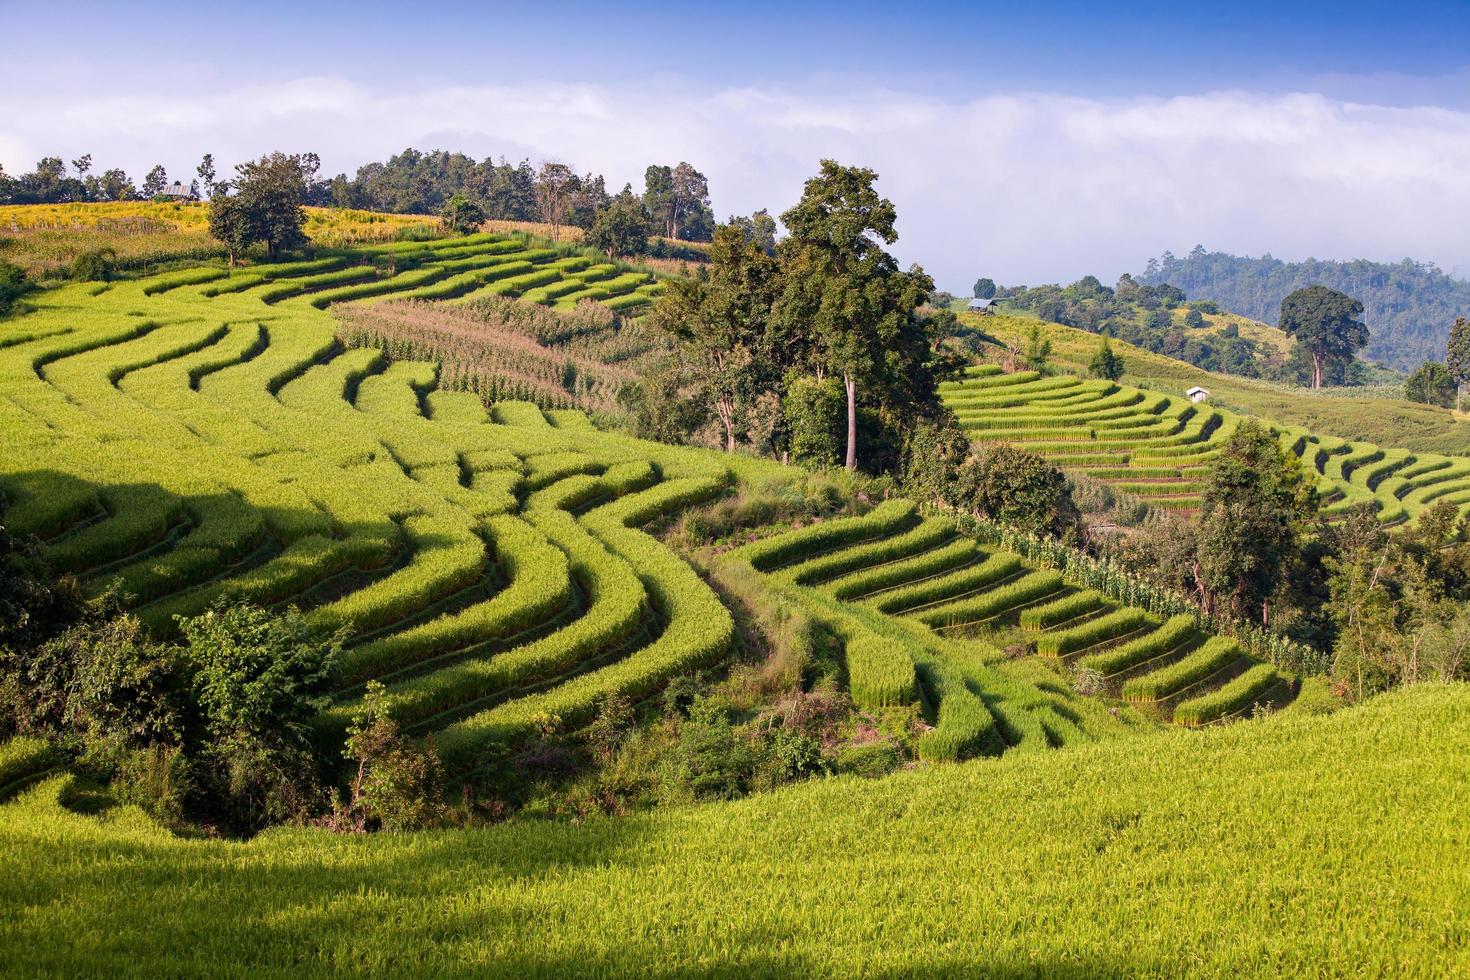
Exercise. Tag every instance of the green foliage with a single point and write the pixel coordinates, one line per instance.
(1457, 353)
(984, 288)
(462, 215)
(1326, 324)
(13, 285)
(1105, 363)
(99, 682)
(1410, 304)
(845, 304)
(1253, 514)
(711, 760)
(620, 228)
(718, 319)
(1431, 384)
(266, 205)
(814, 418)
(260, 680)
(398, 784)
(1019, 488)
(98, 265)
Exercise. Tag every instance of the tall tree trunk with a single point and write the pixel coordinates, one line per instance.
(1316, 370)
(726, 407)
(850, 383)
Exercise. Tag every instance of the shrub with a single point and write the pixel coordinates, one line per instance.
(872, 760)
(710, 760)
(462, 215)
(100, 681)
(260, 680)
(398, 784)
(13, 285)
(99, 265)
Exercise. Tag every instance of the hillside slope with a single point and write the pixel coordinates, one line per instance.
(1408, 305)
(1307, 846)
(199, 437)
(1339, 412)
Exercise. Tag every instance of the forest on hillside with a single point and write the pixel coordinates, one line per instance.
(1409, 306)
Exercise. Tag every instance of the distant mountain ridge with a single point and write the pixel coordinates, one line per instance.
(1409, 306)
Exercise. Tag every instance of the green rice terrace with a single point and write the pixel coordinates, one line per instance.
(203, 435)
(488, 564)
(1157, 446)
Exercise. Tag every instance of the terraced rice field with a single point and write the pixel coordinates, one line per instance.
(1158, 447)
(185, 441)
(922, 612)
(201, 435)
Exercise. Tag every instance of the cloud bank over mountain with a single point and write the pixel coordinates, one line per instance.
(1022, 187)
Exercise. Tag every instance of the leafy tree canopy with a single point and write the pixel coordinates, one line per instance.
(1431, 384)
(1326, 323)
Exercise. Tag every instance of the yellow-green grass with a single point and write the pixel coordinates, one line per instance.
(1337, 412)
(1309, 846)
(1158, 447)
(192, 444)
(43, 238)
(923, 612)
(1218, 323)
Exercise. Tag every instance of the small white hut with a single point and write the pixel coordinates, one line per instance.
(1197, 394)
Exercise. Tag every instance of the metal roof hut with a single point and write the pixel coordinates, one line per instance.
(984, 307)
(1197, 394)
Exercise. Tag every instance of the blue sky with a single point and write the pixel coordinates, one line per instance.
(1032, 142)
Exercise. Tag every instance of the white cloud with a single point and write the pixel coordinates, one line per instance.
(1024, 187)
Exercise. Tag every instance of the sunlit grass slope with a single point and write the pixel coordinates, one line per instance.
(1285, 847)
(1158, 447)
(1391, 422)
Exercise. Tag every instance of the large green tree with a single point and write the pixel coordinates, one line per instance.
(1326, 323)
(266, 205)
(844, 302)
(1431, 384)
(620, 228)
(1457, 357)
(462, 215)
(1254, 511)
(719, 320)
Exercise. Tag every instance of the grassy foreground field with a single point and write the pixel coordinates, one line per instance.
(1285, 847)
